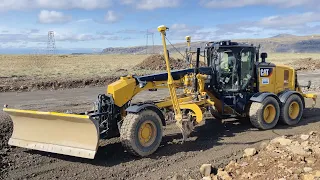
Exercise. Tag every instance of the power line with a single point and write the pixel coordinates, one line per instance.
(147, 41)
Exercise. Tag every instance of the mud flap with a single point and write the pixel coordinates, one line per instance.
(68, 134)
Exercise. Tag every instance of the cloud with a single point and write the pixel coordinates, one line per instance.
(7, 5)
(131, 31)
(126, 2)
(24, 5)
(105, 33)
(111, 17)
(293, 21)
(31, 31)
(21, 37)
(300, 24)
(52, 17)
(155, 4)
(243, 3)
(179, 31)
(84, 20)
(71, 37)
(272, 25)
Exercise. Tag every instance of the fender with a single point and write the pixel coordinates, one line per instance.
(139, 107)
(260, 96)
(284, 95)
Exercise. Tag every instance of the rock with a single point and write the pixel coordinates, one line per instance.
(305, 143)
(249, 152)
(238, 172)
(282, 179)
(260, 165)
(246, 175)
(295, 176)
(313, 133)
(307, 149)
(307, 169)
(307, 177)
(177, 177)
(207, 178)
(316, 174)
(281, 140)
(244, 164)
(281, 166)
(223, 175)
(296, 143)
(232, 165)
(297, 150)
(304, 137)
(298, 171)
(310, 160)
(214, 177)
(205, 170)
(316, 149)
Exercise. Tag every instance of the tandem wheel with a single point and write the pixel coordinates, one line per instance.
(265, 115)
(292, 110)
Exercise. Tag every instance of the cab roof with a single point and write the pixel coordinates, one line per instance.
(228, 44)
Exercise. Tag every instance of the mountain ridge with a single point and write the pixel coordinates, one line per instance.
(280, 43)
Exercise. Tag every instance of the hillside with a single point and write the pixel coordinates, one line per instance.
(279, 43)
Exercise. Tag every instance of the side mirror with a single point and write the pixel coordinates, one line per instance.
(264, 56)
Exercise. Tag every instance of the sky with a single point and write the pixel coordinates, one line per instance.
(98, 24)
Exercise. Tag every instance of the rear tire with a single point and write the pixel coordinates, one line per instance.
(141, 133)
(265, 115)
(292, 110)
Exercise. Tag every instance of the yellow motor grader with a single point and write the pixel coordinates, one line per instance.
(235, 83)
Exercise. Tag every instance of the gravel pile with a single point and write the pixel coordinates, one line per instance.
(295, 157)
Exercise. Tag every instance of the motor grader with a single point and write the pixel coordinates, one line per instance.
(235, 83)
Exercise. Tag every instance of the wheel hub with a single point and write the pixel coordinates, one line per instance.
(269, 113)
(147, 133)
(294, 110)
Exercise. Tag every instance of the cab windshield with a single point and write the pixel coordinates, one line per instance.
(234, 66)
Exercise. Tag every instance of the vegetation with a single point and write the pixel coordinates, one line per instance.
(87, 66)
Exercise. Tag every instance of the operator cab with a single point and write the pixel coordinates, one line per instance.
(232, 63)
(234, 67)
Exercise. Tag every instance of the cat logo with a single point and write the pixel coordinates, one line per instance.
(265, 72)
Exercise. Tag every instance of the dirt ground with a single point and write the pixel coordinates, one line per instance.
(212, 142)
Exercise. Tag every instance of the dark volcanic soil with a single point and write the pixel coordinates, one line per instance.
(157, 62)
(212, 142)
(5, 133)
(30, 84)
(306, 64)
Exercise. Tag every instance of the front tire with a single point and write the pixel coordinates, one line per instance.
(265, 115)
(141, 133)
(292, 110)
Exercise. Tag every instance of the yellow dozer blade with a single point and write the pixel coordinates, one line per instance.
(69, 134)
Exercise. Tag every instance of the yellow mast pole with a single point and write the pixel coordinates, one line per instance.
(188, 38)
(172, 89)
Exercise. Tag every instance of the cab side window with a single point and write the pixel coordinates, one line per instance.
(246, 67)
